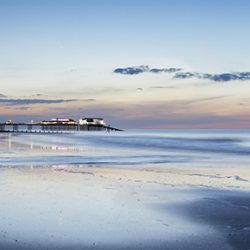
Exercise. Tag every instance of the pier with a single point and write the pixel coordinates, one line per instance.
(52, 128)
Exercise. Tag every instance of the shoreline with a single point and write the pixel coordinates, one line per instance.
(175, 176)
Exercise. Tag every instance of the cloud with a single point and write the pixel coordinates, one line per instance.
(179, 74)
(223, 77)
(167, 114)
(191, 113)
(131, 70)
(89, 100)
(162, 87)
(13, 102)
(166, 70)
(23, 108)
(57, 109)
(36, 95)
(135, 70)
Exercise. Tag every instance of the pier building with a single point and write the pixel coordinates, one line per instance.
(57, 125)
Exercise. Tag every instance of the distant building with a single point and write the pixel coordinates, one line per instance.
(91, 121)
(9, 122)
(60, 121)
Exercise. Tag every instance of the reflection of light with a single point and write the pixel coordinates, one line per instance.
(10, 141)
(59, 148)
(59, 167)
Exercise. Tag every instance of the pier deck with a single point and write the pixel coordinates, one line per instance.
(52, 128)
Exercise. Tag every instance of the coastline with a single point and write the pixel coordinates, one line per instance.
(197, 200)
(176, 176)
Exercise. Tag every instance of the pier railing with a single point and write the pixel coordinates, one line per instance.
(52, 128)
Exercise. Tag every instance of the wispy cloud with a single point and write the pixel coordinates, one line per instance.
(180, 74)
(89, 100)
(191, 113)
(13, 102)
(223, 77)
(162, 87)
(135, 70)
(166, 70)
(23, 108)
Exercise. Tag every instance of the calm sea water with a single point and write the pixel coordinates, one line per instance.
(133, 148)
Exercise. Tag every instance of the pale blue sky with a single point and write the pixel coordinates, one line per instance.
(205, 34)
(75, 45)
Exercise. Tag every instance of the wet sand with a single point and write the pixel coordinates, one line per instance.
(77, 207)
(189, 202)
(227, 211)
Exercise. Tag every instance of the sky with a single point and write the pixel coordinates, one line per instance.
(138, 64)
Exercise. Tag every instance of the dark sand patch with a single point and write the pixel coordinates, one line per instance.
(192, 244)
(227, 211)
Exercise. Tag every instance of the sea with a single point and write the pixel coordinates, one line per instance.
(128, 149)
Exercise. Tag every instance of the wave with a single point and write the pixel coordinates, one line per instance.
(109, 160)
(124, 149)
(212, 145)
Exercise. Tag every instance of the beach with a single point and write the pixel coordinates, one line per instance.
(131, 190)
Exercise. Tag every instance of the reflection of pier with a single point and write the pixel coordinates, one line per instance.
(52, 128)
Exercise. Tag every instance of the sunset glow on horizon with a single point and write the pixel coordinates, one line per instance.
(137, 64)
